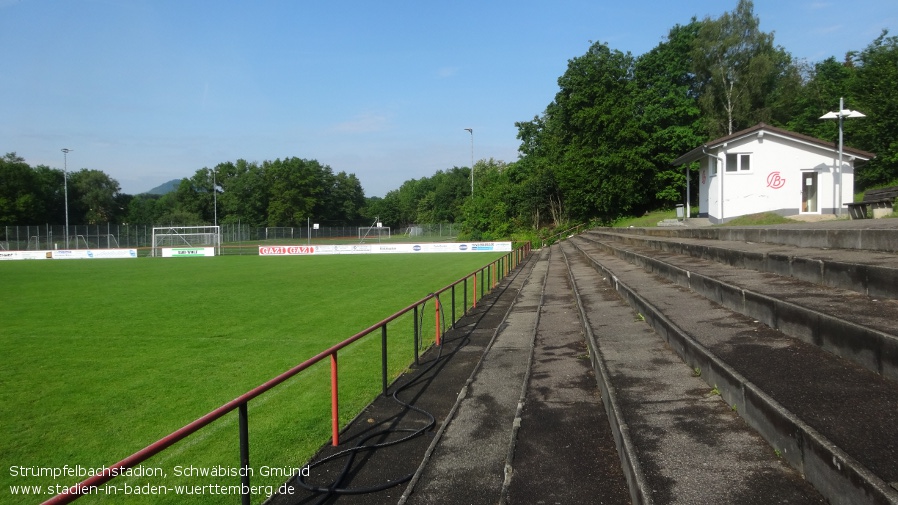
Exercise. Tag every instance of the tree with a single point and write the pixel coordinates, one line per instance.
(296, 187)
(18, 203)
(244, 195)
(874, 94)
(94, 196)
(668, 110)
(736, 65)
(602, 170)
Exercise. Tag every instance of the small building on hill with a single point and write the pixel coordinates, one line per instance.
(769, 169)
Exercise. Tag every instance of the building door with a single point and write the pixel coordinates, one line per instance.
(809, 192)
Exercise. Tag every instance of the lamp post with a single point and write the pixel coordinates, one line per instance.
(843, 113)
(471, 131)
(65, 184)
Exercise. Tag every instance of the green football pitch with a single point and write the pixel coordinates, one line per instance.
(103, 357)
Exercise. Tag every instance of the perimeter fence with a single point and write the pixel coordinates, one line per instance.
(235, 238)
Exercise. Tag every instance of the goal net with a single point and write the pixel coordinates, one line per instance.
(275, 232)
(378, 232)
(186, 237)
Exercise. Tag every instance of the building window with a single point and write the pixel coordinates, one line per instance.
(712, 166)
(738, 162)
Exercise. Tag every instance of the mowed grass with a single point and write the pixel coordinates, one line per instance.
(103, 357)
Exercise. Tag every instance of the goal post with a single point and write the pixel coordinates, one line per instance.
(278, 232)
(185, 238)
(374, 231)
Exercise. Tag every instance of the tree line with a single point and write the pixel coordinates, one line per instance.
(601, 150)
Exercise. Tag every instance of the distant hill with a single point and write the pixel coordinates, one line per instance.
(164, 188)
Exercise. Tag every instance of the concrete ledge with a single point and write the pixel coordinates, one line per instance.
(864, 346)
(871, 239)
(640, 491)
(840, 478)
(872, 280)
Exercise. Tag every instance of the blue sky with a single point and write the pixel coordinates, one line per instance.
(149, 91)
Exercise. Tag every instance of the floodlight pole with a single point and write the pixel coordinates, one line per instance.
(65, 185)
(215, 196)
(843, 113)
(471, 131)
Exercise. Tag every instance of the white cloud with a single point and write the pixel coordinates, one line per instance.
(365, 122)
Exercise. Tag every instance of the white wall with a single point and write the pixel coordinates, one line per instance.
(774, 181)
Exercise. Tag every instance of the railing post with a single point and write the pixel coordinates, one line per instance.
(243, 416)
(335, 407)
(464, 297)
(437, 305)
(474, 287)
(383, 357)
(453, 306)
(415, 316)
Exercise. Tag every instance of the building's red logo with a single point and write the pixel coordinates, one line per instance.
(775, 181)
(704, 176)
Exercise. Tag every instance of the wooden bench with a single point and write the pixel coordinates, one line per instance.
(878, 200)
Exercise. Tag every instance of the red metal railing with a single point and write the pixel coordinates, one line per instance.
(504, 264)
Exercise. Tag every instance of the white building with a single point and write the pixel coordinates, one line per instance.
(768, 169)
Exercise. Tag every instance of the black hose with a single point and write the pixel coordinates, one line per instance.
(335, 488)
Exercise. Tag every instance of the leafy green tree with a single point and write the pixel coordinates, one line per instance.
(345, 199)
(736, 65)
(142, 209)
(243, 194)
(18, 203)
(668, 113)
(49, 190)
(826, 82)
(875, 95)
(296, 187)
(94, 197)
(603, 170)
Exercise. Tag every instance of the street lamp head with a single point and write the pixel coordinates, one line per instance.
(843, 113)
(470, 130)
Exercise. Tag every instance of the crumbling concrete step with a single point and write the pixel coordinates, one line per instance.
(564, 450)
(468, 462)
(690, 445)
(869, 273)
(830, 419)
(857, 327)
(868, 235)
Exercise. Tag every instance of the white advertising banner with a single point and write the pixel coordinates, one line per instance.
(87, 254)
(187, 252)
(435, 247)
(69, 254)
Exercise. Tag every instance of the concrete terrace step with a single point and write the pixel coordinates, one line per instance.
(830, 419)
(468, 462)
(846, 323)
(868, 235)
(530, 427)
(867, 272)
(681, 442)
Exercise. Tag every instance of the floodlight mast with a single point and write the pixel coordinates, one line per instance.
(843, 113)
(65, 185)
(471, 131)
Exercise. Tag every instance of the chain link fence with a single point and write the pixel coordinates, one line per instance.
(235, 238)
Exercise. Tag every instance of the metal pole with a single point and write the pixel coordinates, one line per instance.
(383, 357)
(65, 182)
(243, 417)
(215, 196)
(471, 131)
(839, 169)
